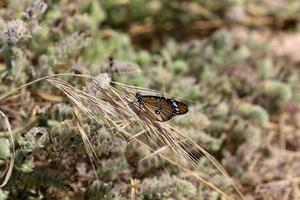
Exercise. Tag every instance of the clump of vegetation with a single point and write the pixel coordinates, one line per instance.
(68, 78)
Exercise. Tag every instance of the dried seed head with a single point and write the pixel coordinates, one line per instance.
(38, 8)
(71, 45)
(77, 67)
(99, 82)
(15, 31)
(121, 67)
(33, 26)
(37, 135)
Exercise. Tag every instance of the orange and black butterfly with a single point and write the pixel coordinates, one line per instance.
(158, 108)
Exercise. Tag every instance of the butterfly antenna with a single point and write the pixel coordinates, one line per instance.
(161, 76)
(164, 89)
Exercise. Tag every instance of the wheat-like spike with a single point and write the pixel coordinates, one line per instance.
(162, 134)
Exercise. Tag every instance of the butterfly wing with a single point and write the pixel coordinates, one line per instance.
(159, 108)
(179, 107)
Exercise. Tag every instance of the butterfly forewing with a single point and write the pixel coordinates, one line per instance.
(159, 107)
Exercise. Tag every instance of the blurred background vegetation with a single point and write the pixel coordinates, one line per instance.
(235, 62)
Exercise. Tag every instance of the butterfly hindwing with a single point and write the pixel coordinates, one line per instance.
(159, 108)
(180, 107)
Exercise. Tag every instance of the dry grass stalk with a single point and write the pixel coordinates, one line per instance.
(10, 165)
(90, 151)
(121, 67)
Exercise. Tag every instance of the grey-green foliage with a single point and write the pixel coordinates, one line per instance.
(27, 173)
(69, 138)
(243, 132)
(217, 127)
(34, 139)
(61, 112)
(211, 72)
(67, 48)
(103, 140)
(45, 178)
(278, 90)
(252, 112)
(4, 148)
(209, 60)
(37, 136)
(196, 119)
(165, 187)
(3, 194)
(70, 45)
(96, 15)
(193, 92)
(19, 65)
(135, 155)
(265, 68)
(209, 142)
(112, 168)
(100, 190)
(106, 143)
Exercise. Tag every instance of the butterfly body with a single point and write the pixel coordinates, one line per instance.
(159, 108)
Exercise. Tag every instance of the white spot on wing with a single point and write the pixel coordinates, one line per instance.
(174, 103)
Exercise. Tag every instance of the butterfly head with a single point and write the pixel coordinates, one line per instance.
(139, 98)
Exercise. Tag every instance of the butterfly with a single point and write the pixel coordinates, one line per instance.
(159, 108)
